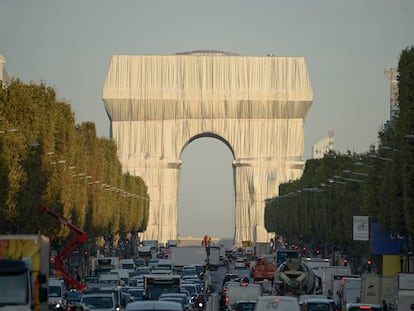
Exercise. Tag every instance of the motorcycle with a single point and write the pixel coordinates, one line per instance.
(200, 304)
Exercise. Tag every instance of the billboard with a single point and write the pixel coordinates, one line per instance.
(361, 228)
(384, 243)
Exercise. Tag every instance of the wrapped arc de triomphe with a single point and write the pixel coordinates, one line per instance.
(158, 104)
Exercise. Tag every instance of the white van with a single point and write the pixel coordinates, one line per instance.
(57, 291)
(109, 280)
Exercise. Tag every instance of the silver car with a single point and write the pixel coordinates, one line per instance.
(151, 305)
(277, 303)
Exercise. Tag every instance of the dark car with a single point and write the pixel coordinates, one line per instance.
(230, 277)
(73, 298)
(245, 305)
(318, 304)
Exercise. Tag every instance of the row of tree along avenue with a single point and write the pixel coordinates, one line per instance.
(45, 158)
(379, 183)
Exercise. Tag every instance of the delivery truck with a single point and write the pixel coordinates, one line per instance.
(377, 287)
(187, 255)
(24, 270)
(404, 290)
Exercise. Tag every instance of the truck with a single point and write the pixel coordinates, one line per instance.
(24, 271)
(328, 274)
(237, 292)
(57, 293)
(262, 249)
(338, 289)
(377, 287)
(263, 270)
(404, 290)
(351, 291)
(317, 264)
(294, 278)
(182, 256)
(146, 253)
(214, 257)
(104, 264)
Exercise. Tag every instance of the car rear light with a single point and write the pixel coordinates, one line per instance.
(365, 307)
(276, 299)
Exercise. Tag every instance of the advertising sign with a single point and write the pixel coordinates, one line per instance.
(361, 228)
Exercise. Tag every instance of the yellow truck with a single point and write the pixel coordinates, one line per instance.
(24, 270)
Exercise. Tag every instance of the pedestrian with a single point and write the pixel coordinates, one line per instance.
(384, 306)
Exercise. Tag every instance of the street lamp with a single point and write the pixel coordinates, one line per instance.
(9, 130)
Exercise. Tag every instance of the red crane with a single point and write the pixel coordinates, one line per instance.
(81, 237)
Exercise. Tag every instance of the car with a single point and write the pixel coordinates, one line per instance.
(150, 305)
(100, 301)
(57, 290)
(136, 292)
(178, 297)
(91, 281)
(139, 262)
(142, 270)
(277, 303)
(200, 269)
(230, 277)
(245, 305)
(72, 297)
(363, 307)
(302, 298)
(317, 304)
(153, 263)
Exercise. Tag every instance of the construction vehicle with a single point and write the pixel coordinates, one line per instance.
(263, 270)
(24, 270)
(295, 278)
(81, 237)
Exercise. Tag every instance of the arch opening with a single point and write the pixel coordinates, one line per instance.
(206, 204)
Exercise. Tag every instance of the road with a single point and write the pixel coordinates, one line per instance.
(216, 279)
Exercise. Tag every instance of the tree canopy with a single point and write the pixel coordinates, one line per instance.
(45, 158)
(319, 207)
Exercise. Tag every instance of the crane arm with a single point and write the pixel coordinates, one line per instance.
(81, 238)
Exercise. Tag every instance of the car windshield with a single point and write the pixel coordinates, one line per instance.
(55, 291)
(319, 307)
(245, 306)
(73, 295)
(98, 302)
(14, 289)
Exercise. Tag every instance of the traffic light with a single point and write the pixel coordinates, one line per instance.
(369, 265)
(345, 262)
(206, 241)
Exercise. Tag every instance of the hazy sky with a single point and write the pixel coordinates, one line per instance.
(346, 45)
